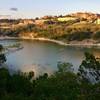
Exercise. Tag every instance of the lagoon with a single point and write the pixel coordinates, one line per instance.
(43, 56)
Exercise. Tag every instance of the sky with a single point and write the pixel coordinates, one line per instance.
(38, 8)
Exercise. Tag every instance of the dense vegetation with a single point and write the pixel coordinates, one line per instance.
(62, 85)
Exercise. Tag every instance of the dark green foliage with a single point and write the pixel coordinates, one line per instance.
(97, 35)
(30, 75)
(78, 36)
(20, 85)
(90, 62)
(1, 48)
(62, 85)
(2, 58)
(64, 67)
(90, 67)
(57, 87)
(4, 77)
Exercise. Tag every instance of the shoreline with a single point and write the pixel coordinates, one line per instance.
(50, 40)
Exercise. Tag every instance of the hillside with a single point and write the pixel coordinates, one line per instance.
(78, 27)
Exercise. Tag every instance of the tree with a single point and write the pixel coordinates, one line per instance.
(64, 67)
(1, 48)
(97, 35)
(2, 58)
(36, 18)
(90, 68)
(30, 75)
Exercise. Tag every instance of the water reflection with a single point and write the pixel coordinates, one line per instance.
(41, 57)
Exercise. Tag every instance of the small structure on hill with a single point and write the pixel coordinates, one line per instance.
(67, 19)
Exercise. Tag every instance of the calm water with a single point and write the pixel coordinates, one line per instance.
(41, 57)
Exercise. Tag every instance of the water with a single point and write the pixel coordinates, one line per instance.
(41, 57)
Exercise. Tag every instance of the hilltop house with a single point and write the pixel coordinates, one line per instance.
(40, 21)
(97, 21)
(67, 19)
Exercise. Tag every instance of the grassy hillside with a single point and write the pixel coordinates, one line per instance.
(65, 31)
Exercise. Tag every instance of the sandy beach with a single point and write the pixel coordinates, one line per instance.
(52, 40)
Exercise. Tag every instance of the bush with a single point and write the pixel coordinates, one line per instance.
(96, 35)
(78, 36)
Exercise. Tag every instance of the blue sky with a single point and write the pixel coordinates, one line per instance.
(38, 8)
